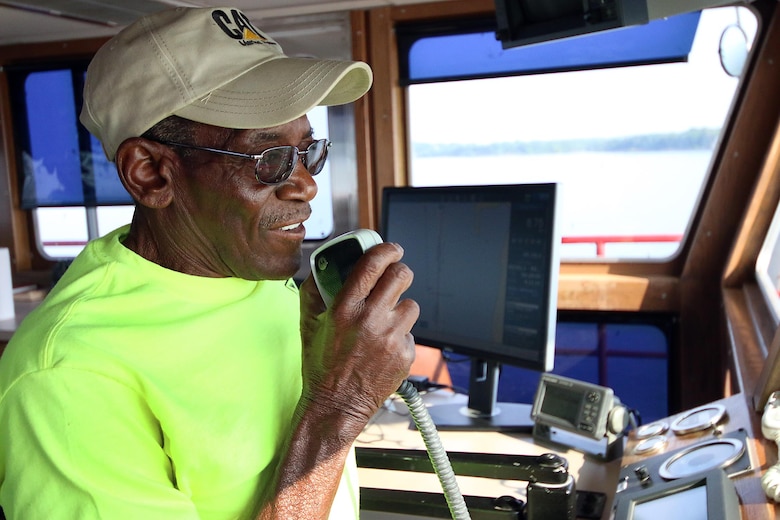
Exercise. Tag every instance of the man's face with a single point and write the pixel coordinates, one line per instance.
(233, 225)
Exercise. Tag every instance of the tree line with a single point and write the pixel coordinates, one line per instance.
(693, 139)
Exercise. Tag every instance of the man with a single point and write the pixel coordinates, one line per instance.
(175, 372)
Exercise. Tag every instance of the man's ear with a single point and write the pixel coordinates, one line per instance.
(145, 169)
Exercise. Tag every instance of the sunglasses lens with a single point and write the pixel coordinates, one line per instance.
(276, 164)
(316, 155)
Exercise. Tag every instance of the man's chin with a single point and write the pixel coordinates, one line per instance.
(279, 272)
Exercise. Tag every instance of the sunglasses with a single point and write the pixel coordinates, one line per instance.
(275, 165)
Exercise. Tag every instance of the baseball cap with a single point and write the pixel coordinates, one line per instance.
(209, 65)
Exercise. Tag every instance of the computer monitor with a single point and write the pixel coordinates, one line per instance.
(485, 262)
(523, 22)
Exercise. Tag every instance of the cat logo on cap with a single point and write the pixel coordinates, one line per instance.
(237, 26)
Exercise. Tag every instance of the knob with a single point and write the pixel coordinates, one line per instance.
(617, 419)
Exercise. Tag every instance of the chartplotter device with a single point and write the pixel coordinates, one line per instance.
(578, 407)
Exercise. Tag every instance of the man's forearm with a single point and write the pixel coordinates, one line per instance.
(309, 473)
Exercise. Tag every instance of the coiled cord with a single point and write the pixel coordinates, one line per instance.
(437, 454)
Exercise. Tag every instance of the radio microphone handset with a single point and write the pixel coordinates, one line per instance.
(331, 264)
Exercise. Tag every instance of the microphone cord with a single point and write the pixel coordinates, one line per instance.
(438, 456)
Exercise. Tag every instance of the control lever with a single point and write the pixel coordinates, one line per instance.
(550, 494)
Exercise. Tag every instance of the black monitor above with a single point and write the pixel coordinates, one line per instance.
(522, 22)
(486, 266)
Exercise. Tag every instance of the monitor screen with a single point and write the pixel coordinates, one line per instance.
(710, 495)
(693, 501)
(485, 262)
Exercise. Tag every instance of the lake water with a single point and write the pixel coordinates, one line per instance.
(627, 193)
(630, 193)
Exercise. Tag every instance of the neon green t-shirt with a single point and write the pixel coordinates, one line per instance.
(137, 392)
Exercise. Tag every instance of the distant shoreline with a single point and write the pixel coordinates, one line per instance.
(694, 139)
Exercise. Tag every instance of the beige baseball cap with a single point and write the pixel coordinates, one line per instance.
(210, 65)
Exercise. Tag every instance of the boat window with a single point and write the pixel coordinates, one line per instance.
(630, 141)
(65, 179)
(630, 355)
(768, 267)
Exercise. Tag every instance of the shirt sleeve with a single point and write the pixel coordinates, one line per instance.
(77, 444)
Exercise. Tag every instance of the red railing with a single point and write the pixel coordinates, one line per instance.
(600, 241)
(64, 243)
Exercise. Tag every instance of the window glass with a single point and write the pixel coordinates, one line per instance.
(768, 267)
(630, 358)
(62, 165)
(62, 232)
(320, 225)
(51, 161)
(66, 178)
(631, 146)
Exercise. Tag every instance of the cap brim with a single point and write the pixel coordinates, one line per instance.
(279, 91)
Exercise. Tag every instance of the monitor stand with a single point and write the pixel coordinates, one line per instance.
(483, 413)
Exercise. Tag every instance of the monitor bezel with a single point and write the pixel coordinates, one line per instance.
(722, 500)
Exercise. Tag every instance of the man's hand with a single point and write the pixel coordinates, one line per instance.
(357, 352)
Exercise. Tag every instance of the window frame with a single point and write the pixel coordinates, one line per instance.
(15, 222)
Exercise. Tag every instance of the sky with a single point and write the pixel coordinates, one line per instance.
(601, 103)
